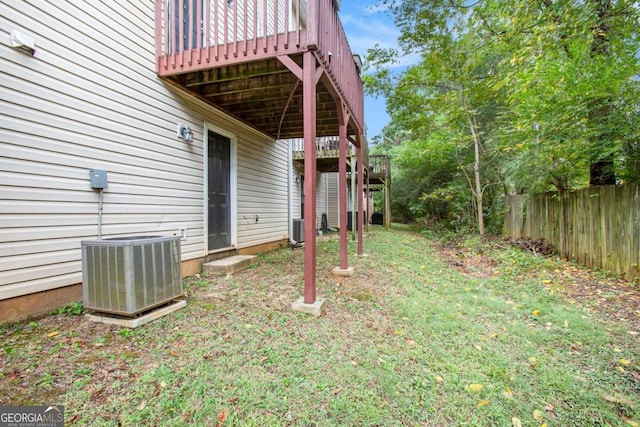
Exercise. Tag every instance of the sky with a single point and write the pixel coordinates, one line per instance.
(366, 25)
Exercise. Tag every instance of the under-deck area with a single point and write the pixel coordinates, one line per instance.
(282, 67)
(376, 176)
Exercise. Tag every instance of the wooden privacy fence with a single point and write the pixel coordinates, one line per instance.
(597, 227)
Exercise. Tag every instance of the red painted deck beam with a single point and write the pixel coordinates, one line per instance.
(309, 82)
(342, 184)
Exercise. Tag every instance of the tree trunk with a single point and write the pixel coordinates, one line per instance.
(602, 168)
(476, 173)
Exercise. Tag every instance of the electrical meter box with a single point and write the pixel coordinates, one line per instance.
(98, 178)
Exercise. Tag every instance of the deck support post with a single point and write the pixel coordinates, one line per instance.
(354, 201)
(387, 203)
(360, 193)
(342, 185)
(309, 82)
(369, 208)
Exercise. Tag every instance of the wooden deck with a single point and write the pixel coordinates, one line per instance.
(327, 153)
(379, 172)
(283, 67)
(246, 58)
(377, 167)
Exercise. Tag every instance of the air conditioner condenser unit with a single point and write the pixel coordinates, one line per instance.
(130, 275)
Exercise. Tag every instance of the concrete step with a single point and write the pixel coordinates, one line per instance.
(229, 265)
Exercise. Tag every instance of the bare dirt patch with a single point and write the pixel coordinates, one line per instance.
(466, 261)
(612, 298)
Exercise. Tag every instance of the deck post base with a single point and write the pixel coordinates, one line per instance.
(342, 272)
(316, 309)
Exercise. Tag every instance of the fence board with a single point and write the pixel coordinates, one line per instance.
(598, 227)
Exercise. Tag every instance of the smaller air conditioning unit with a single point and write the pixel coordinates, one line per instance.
(298, 230)
(130, 275)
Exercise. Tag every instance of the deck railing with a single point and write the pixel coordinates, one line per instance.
(336, 55)
(326, 147)
(209, 31)
(379, 165)
(329, 147)
(194, 35)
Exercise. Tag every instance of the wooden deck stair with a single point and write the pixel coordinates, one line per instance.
(228, 265)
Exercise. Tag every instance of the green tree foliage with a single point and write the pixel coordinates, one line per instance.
(546, 90)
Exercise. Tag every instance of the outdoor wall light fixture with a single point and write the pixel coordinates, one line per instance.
(185, 133)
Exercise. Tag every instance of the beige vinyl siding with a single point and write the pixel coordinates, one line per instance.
(333, 200)
(90, 98)
(321, 198)
(296, 194)
(262, 191)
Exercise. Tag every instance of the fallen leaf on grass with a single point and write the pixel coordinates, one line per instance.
(538, 415)
(515, 422)
(630, 421)
(617, 400)
(106, 415)
(222, 417)
(508, 393)
(12, 375)
(625, 362)
(52, 334)
(474, 387)
(536, 312)
(484, 402)
(96, 394)
(439, 379)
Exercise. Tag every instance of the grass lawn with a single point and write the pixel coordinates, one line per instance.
(422, 335)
